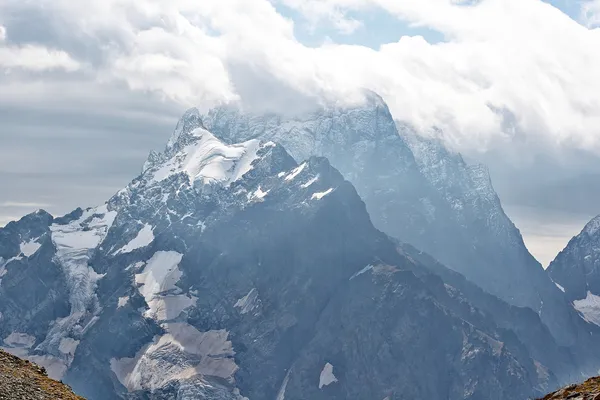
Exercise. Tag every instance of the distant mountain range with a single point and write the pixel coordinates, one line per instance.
(332, 255)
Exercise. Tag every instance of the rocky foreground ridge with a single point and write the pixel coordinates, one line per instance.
(23, 380)
(589, 390)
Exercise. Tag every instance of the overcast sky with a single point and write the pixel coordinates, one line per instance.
(88, 88)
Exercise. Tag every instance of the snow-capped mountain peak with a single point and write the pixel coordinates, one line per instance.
(205, 159)
(190, 121)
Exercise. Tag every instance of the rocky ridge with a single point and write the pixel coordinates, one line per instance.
(589, 390)
(23, 380)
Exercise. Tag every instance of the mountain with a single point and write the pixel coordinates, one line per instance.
(419, 192)
(230, 271)
(576, 271)
(22, 380)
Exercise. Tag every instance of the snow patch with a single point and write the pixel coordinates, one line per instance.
(327, 377)
(562, 289)
(18, 339)
(30, 248)
(135, 266)
(283, 387)
(122, 302)
(158, 286)
(181, 353)
(68, 346)
(259, 194)
(362, 271)
(144, 237)
(295, 172)
(589, 308)
(320, 195)
(310, 182)
(249, 302)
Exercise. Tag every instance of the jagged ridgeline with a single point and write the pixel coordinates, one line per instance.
(243, 263)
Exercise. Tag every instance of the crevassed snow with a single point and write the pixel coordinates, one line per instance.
(181, 353)
(30, 248)
(74, 243)
(362, 271)
(209, 160)
(295, 172)
(157, 282)
(310, 182)
(327, 377)
(144, 237)
(589, 308)
(320, 195)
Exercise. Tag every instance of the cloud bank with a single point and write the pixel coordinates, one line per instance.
(508, 70)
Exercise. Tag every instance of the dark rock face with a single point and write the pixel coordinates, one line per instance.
(232, 272)
(577, 268)
(576, 271)
(419, 192)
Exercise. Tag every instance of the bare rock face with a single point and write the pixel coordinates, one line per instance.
(23, 380)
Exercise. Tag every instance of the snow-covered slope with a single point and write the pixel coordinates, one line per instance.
(577, 270)
(230, 271)
(419, 192)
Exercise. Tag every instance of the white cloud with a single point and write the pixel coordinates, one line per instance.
(590, 12)
(36, 58)
(522, 58)
(17, 204)
(33, 58)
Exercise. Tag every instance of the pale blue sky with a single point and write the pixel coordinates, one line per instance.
(379, 27)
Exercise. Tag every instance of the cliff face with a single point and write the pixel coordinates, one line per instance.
(589, 390)
(23, 380)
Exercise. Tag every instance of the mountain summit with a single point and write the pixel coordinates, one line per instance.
(227, 270)
(419, 192)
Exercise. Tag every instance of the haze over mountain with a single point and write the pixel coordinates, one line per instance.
(228, 270)
(359, 202)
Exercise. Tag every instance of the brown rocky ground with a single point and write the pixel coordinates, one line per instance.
(589, 390)
(23, 380)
